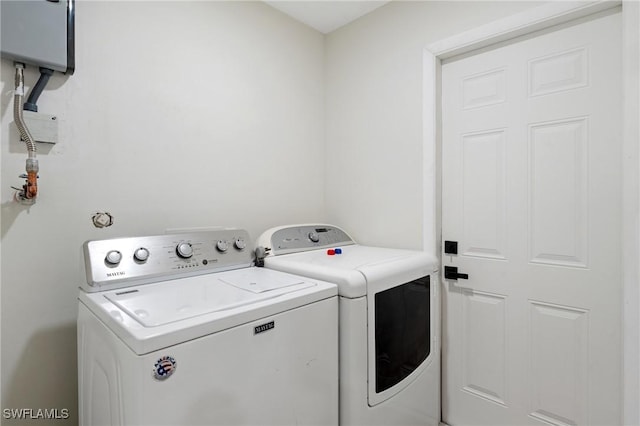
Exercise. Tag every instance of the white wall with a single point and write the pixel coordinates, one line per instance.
(374, 114)
(631, 216)
(180, 114)
(188, 114)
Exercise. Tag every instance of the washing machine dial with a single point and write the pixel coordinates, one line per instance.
(113, 257)
(184, 250)
(240, 243)
(314, 237)
(141, 254)
(222, 246)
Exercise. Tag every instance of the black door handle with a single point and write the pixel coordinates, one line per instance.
(451, 273)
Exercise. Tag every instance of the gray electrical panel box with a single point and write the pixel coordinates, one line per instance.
(39, 32)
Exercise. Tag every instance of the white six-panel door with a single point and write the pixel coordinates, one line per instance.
(531, 145)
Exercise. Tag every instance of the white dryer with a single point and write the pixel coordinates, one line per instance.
(389, 321)
(182, 330)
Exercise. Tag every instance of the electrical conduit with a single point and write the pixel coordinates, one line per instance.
(30, 189)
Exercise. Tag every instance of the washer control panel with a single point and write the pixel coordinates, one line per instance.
(123, 262)
(297, 238)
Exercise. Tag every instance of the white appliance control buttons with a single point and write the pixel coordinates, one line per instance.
(222, 246)
(313, 236)
(141, 254)
(113, 257)
(240, 244)
(184, 250)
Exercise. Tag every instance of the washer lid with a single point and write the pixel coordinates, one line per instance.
(181, 299)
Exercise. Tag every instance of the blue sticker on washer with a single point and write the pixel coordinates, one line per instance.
(164, 368)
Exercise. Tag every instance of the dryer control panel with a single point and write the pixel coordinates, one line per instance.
(123, 262)
(298, 238)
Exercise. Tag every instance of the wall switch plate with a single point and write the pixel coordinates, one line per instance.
(43, 127)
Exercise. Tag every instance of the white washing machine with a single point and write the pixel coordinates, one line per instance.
(389, 321)
(182, 330)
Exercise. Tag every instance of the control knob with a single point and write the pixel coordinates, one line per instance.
(314, 237)
(240, 243)
(141, 254)
(222, 246)
(113, 257)
(184, 250)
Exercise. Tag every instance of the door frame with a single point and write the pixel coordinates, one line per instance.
(521, 24)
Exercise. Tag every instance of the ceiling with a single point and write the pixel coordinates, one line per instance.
(326, 15)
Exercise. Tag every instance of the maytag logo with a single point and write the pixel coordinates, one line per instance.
(115, 274)
(264, 327)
